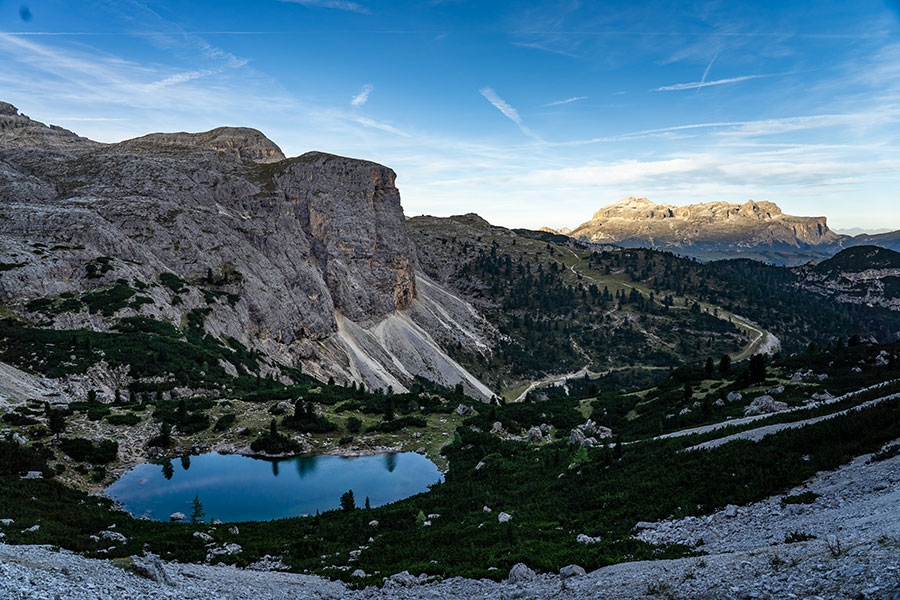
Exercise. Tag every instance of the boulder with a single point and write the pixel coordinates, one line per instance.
(504, 517)
(734, 397)
(150, 567)
(603, 432)
(570, 571)
(775, 390)
(226, 550)
(764, 405)
(520, 573)
(576, 437)
(113, 536)
(535, 436)
(203, 536)
(177, 516)
(497, 427)
(464, 410)
(402, 579)
(731, 511)
(586, 539)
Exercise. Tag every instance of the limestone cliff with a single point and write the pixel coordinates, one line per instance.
(708, 227)
(285, 255)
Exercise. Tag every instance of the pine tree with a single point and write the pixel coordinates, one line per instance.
(197, 512)
(348, 503)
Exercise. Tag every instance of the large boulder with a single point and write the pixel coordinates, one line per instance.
(520, 573)
(762, 405)
(570, 571)
(151, 567)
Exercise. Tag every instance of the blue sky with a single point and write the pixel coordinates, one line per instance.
(529, 113)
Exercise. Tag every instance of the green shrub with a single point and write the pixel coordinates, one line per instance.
(802, 498)
(82, 450)
(126, 419)
(16, 459)
(354, 424)
(225, 422)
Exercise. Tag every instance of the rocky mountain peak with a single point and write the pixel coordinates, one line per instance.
(18, 131)
(705, 227)
(243, 142)
(305, 259)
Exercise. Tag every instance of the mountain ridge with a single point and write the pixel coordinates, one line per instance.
(715, 230)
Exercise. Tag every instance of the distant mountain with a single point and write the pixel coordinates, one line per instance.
(713, 230)
(889, 240)
(860, 231)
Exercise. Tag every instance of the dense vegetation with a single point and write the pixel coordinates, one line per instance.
(554, 490)
(561, 306)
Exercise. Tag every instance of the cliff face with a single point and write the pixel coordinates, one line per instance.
(709, 227)
(283, 254)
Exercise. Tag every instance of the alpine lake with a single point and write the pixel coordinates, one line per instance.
(233, 488)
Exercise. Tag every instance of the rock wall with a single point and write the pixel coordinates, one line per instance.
(288, 248)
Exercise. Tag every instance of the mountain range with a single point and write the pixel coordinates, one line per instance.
(309, 263)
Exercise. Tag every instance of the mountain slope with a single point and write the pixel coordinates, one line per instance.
(284, 255)
(867, 275)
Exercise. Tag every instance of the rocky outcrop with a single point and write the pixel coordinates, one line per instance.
(242, 142)
(765, 404)
(306, 259)
(18, 131)
(707, 227)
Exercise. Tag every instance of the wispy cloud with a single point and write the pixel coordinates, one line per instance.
(380, 126)
(545, 47)
(695, 85)
(335, 4)
(181, 78)
(511, 113)
(566, 101)
(363, 96)
(706, 71)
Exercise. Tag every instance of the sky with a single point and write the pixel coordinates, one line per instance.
(528, 113)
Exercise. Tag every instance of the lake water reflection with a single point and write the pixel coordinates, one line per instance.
(239, 488)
